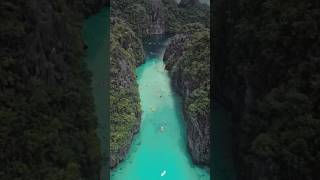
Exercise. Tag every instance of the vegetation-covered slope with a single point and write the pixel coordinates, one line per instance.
(188, 60)
(126, 54)
(188, 11)
(272, 71)
(47, 124)
(135, 13)
(142, 14)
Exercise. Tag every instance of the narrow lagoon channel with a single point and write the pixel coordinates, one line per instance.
(159, 150)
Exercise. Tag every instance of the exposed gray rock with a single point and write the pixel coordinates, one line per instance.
(198, 125)
(157, 18)
(116, 158)
(126, 54)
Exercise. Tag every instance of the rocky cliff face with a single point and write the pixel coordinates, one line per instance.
(130, 22)
(157, 18)
(126, 54)
(189, 71)
(175, 49)
(145, 17)
(187, 59)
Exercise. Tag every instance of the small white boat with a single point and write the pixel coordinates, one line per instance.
(161, 128)
(163, 173)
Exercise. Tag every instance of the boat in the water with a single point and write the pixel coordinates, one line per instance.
(163, 173)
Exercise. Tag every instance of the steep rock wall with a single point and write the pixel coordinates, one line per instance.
(126, 54)
(189, 71)
(157, 18)
(145, 17)
(130, 22)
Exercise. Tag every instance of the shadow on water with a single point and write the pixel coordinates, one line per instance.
(96, 36)
(222, 152)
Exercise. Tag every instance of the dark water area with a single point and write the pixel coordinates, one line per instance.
(222, 152)
(96, 36)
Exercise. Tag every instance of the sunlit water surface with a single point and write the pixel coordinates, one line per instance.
(159, 150)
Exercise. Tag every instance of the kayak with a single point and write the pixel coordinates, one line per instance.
(163, 173)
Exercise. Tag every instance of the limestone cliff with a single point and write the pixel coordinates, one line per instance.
(131, 21)
(157, 18)
(145, 17)
(187, 59)
(126, 53)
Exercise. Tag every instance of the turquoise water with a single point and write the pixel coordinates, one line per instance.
(96, 36)
(161, 145)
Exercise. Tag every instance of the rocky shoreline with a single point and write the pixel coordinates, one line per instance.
(121, 154)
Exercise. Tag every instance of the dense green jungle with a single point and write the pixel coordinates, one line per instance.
(47, 121)
(267, 73)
